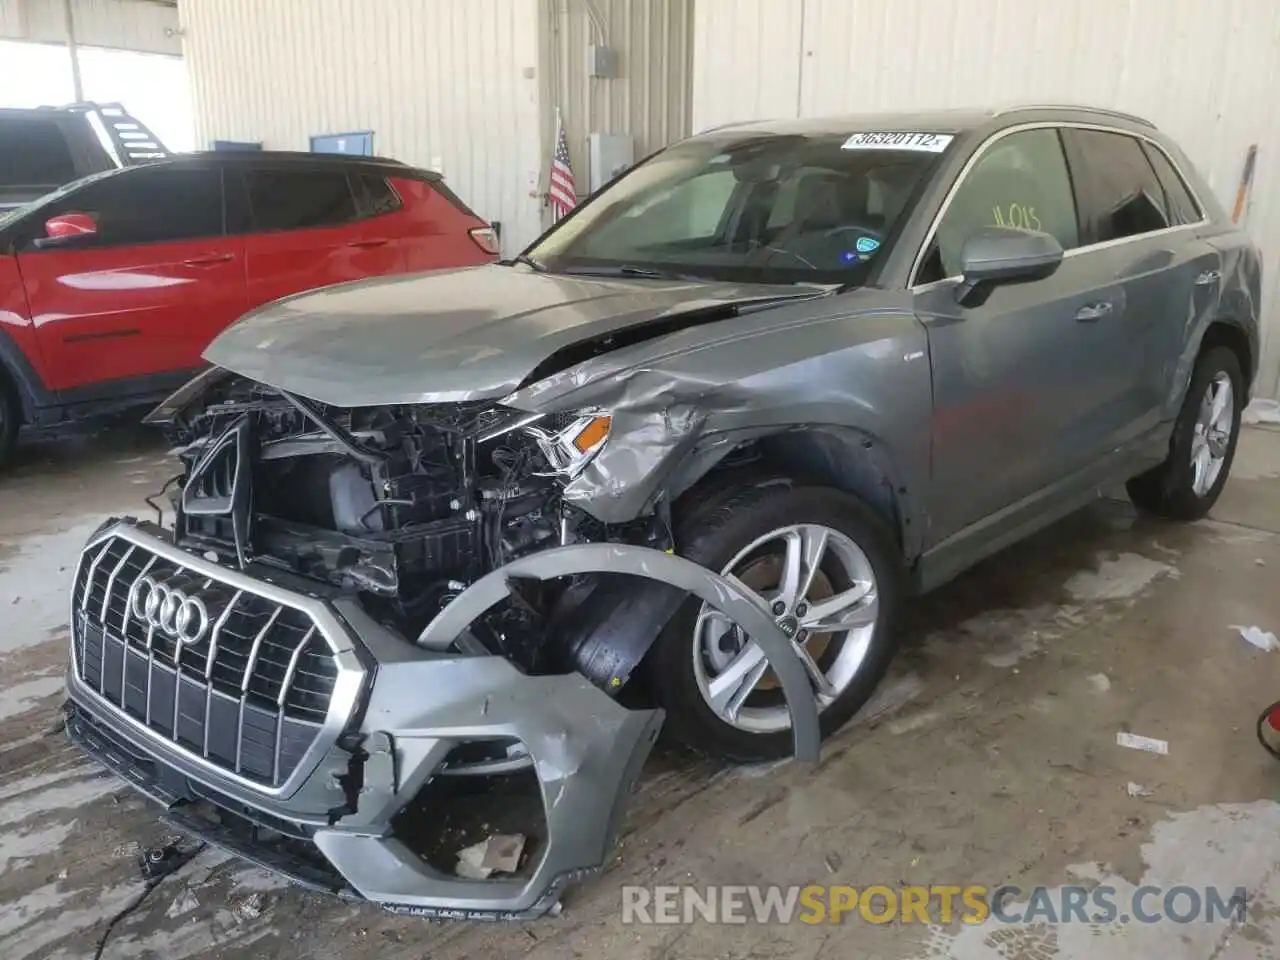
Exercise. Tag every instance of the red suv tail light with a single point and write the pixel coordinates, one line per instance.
(486, 238)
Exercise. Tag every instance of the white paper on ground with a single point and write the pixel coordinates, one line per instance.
(1261, 411)
(1136, 790)
(1262, 639)
(1135, 742)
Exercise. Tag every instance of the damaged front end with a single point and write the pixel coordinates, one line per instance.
(371, 636)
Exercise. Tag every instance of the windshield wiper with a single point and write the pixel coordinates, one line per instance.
(625, 270)
(527, 260)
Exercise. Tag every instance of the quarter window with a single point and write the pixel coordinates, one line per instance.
(376, 195)
(1120, 194)
(1020, 180)
(298, 199)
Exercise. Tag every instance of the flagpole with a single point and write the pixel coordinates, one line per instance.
(551, 167)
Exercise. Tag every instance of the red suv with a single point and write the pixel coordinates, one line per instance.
(112, 286)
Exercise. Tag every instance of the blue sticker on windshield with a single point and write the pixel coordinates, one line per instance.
(867, 244)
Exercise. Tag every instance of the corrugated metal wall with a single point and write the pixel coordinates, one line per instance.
(1206, 71)
(121, 24)
(649, 98)
(450, 83)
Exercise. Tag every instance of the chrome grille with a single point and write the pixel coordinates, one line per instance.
(250, 696)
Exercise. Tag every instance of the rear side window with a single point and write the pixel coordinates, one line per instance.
(375, 195)
(1181, 205)
(125, 205)
(1119, 194)
(1019, 181)
(298, 199)
(34, 152)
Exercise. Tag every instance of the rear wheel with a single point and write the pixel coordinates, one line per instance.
(830, 572)
(1188, 483)
(10, 418)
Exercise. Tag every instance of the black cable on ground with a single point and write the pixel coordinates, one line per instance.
(1262, 721)
(139, 900)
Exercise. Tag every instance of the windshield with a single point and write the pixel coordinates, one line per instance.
(772, 209)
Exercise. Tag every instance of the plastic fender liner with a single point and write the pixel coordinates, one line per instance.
(713, 589)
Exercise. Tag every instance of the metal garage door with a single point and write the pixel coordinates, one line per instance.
(1204, 70)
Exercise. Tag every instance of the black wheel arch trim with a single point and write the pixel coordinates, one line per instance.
(32, 393)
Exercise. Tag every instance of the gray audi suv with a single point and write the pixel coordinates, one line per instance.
(462, 542)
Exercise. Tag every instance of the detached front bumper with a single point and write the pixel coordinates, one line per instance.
(340, 824)
(312, 740)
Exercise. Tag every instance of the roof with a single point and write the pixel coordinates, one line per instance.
(253, 157)
(275, 158)
(934, 121)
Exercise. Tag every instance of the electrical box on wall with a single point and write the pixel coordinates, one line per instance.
(610, 154)
(602, 62)
(360, 144)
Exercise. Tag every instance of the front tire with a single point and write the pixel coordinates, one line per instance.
(819, 558)
(10, 419)
(1190, 480)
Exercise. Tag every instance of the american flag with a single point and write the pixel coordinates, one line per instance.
(560, 190)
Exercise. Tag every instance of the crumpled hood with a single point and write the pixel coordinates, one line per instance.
(448, 336)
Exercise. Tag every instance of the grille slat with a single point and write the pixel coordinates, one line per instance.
(252, 703)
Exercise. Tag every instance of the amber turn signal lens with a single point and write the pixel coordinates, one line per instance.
(593, 434)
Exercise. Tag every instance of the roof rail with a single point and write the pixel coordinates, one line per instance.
(127, 136)
(1079, 108)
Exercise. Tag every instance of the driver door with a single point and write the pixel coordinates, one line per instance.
(143, 296)
(1015, 375)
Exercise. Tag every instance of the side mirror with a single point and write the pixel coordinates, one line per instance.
(67, 229)
(994, 255)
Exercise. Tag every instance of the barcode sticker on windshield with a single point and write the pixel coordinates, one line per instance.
(926, 142)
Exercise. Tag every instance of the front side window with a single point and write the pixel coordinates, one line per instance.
(1120, 195)
(1020, 180)
(125, 206)
(764, 207)
(300, 199)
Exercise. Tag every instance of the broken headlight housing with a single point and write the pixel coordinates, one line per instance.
(569, 449)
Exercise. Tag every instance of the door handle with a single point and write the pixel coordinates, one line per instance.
(378, 242)
(1208, 277)
(209, 260)
(1094, 311)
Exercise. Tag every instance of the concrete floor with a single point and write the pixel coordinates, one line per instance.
(989, 757)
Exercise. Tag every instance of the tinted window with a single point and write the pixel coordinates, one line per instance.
(297, 199)
(758, 207)
(147, 206)
(34, 152)
(1181, 206)
(1119, 193)
(1020, 180)
(376, 195)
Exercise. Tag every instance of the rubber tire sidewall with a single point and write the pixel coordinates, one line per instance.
(712, 535)
(10, 418)
(1167, 490)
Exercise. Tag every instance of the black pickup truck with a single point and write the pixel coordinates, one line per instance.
(43, 148)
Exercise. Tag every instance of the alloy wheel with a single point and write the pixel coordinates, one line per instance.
(1211, 436)
(821, 591)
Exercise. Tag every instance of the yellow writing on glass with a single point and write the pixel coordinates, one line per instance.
(1016, 215)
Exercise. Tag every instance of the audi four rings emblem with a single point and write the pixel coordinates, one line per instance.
(169, 611)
